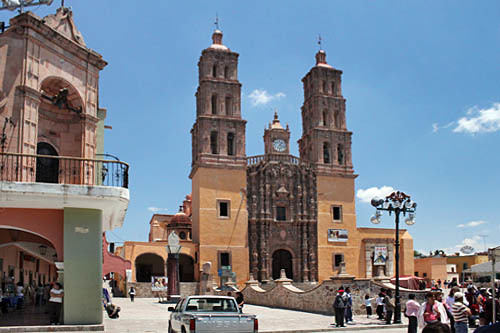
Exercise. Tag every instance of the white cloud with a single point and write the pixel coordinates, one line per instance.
(476, 242)
(480, 121)
(471, 224)
(157, 209)
(372, 192)
(262, 97)
(436, 127)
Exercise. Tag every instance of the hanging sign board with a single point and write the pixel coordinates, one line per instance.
(159, 283)
(337, 235)
(380, 255)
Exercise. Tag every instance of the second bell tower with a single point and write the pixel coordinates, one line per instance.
(218, 170)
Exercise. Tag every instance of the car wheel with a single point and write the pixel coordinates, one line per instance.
(183, 329)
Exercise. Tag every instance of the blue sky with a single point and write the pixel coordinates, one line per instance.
(421, 79)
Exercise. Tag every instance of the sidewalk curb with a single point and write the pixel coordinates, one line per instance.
(341, 329)
(53, 328)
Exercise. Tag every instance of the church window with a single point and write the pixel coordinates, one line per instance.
(214, 104)
(337, 260)
(226, 72)
(325, 118)
(229, 105)
(416, 273)
(230, 144)
(337, 213)
(325, 89)
(182, 235)
(280, 213)
(214, 71)
(224, 259)
(223, 207)
(213, 142)
(333, 88)
(326, 153)
(337, 120)
(340, 157)
(425, 274)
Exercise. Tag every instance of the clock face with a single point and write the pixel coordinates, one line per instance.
(279, 145)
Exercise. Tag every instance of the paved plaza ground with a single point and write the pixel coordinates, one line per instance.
(147, 315)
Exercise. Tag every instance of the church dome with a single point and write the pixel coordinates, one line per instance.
(321, 59)
(276, 122)
(180, 218)
(217, 41)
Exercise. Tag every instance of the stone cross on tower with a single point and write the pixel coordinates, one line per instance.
(216, 21)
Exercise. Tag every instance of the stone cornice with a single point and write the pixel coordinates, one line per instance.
(31, 21)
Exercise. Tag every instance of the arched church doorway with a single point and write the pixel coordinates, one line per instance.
(47, 169)
(282, 259)
(148, 265)
(186, 268)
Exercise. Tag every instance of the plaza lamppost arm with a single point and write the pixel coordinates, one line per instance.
(397, 202)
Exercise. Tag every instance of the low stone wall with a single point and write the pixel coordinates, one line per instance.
(143, 289)
(189, 288)
(320, 298)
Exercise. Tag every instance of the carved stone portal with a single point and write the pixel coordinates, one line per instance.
(282, 210)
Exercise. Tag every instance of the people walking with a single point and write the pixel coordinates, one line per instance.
(447, 308)
(380, 306)
(460, 313)
(131, 292)
(368, 305)
(55, 301)
(240, 300)
(339, 306)
(411, 312)
(389, 306)
(348, 307)
(431, 312)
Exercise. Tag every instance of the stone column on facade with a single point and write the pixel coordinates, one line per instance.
(303, 237)
(368, 260)
(389, 269)
(261, 235)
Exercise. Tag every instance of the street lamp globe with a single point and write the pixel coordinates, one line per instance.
(410, 220)
(375, 219)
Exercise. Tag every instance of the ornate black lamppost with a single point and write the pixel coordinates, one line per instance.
(397, 202)
(173, 249)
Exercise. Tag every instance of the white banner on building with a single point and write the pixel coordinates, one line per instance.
(380, 256)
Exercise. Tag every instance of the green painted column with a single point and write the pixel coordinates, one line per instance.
(82, 266)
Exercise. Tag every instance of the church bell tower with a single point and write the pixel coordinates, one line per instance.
(326, 144)
(218, 170)
(277, 138)
(325, 141)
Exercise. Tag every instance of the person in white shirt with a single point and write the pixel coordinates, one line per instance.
(55, 301)
(380, 306)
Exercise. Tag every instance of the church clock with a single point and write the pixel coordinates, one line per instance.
(279, 145)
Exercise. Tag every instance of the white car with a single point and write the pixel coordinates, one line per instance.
(204, 313)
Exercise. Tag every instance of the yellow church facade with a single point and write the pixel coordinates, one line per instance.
(252, 216)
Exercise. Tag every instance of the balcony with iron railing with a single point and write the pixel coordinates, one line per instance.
(15, 167)
(254, 160)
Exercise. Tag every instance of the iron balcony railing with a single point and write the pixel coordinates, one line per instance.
(62, 170)
(252, 160)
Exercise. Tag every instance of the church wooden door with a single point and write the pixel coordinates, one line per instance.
(282, 259)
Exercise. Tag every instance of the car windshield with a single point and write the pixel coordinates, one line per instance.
(211, 305)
